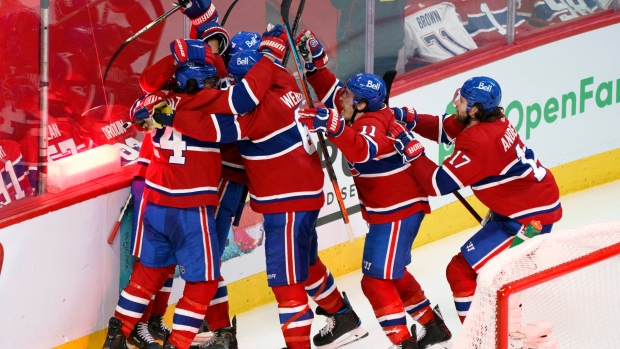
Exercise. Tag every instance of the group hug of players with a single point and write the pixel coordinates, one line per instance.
(221, 114)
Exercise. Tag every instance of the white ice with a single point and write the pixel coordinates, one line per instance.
(260, 328)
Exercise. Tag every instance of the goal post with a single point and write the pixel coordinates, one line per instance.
(570, 278)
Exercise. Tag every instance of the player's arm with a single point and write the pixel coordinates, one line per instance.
(463, 168)
(441, 129)
(325, 84)
(158, 75)
(356, 145)
(206, 127)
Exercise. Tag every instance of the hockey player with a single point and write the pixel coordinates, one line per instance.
(391, 199)
(270, 137)
(14, 183)
(489, 156)
(178, 215)
(231, 187)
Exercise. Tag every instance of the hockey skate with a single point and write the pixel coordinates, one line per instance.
(168, 345)
(158, 328)
(342, 328)
(410, 343)
(115, 339)
(435, 331)
(225, 338)
(141, 337)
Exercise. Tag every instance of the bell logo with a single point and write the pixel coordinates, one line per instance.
(373, 86)
(244, 61)
(484, 87)
(251, 43)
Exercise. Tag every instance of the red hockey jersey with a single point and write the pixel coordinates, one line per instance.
(103, 125)
(14, 173)
(275, 148)
(502, 171)
(159, 75)
(387, 188)
(184, 171)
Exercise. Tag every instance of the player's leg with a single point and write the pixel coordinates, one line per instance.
(194, 239)
(343, 324)
(147, 278)
(411, 293)
(217, 319)
(387, 251)
(286, 254)
(493, 238)
(151, 325)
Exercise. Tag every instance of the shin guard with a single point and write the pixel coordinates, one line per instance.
(190, 312)
(217, 312)
(322, 288)
(388, 308)
(415, 302)
(462, 279)
(295, 315)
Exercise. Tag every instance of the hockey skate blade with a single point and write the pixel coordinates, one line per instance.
(349, 338)
(202, 337)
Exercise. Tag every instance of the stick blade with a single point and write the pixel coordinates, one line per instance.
(388, 77)
(350, 232)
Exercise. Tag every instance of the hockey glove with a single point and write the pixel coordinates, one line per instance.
(274, 42)
(404, 142)
(212, 30)
(322, 120)
(311, 50)
(188, 50)
(406, 115)
(199, 11)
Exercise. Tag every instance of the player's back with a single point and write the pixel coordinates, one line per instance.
(387, 188)
(184, 172)
(278, 149)
(511, 181)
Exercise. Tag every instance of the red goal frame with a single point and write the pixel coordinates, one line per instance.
(510, 288)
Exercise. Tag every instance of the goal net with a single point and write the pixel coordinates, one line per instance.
(570, 278)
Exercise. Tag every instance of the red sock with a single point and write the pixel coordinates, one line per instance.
(190, 311)
(415, 302)
(322, 288)
(295, 315)
(217, 312)
(388, 308)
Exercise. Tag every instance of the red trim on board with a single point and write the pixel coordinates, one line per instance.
(1, 256)
(25, 209)
(494, 52)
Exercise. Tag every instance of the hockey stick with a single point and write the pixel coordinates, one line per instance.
(388, 77)
(284, 12)
(159, 19)
(228, 12)
(468, 206)
(118, 221)
(294, 29)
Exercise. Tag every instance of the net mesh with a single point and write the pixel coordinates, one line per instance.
(584, 306)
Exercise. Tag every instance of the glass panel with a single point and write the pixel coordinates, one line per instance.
(545, 13)
(19, 97)
(83, 112)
